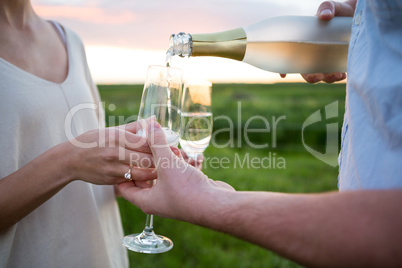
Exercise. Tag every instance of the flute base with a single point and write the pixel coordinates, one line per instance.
(147, 242)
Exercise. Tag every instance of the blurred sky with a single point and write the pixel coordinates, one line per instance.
(123, 37)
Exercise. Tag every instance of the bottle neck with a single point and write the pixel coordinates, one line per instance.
(228, 44)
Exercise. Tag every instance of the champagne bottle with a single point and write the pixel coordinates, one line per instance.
(288, 44)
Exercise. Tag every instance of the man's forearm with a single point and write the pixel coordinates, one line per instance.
(332, 229)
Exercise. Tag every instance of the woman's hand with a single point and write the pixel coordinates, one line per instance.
(104, 156)
(326, 11)
(180, 187)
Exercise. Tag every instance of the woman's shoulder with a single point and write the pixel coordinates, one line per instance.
(70, 37)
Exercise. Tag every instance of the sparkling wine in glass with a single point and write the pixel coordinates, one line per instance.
(161, 98)
(196, 118)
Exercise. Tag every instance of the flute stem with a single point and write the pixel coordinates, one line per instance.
(149, 223)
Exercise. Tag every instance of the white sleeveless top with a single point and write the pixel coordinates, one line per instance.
(80, 226)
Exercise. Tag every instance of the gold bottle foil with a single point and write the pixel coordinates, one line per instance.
(228, 44)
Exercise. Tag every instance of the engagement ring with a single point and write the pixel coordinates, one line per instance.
(128, 174)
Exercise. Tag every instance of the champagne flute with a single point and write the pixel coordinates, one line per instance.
(196, 118)
(161, 97)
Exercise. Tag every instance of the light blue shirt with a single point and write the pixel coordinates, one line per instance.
(371, 154)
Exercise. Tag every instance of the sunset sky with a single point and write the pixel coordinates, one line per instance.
(122, 38)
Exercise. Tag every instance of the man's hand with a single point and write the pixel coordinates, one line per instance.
(326, 11)
(181, 190)
(194, 162)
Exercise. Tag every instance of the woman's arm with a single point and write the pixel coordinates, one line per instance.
(32, 185)
(105, 163)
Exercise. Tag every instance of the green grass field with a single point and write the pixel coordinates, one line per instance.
(246, 105)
